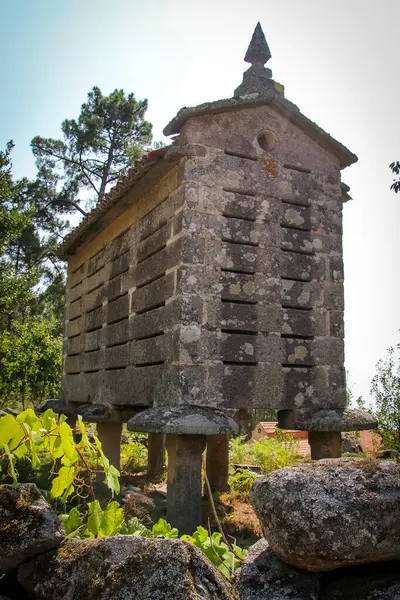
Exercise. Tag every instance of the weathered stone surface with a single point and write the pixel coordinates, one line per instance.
(217, 465)
(347, 419)
(265, 577)
(184, 506)
(125, 567)
(155, 455)
(325, 444)
(202, 267)
(27, 525)
(331, 513)
(184, 420)
(389, 453)
(351, 444)
(380, 581)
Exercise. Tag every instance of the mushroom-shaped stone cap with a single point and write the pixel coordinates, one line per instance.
(347, 419)
(184, 420)
(59, 406)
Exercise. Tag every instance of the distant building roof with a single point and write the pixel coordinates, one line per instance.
(267, 429)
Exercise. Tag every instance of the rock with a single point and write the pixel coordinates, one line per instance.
(390, 453)
(184, 420)
(264, 576)
(27, 525)
(125, 567)
(379, 581)
(324, 515)
(345, 419)
(351, 445)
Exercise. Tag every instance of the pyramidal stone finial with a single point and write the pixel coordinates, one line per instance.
(257, 79)
(258, 51)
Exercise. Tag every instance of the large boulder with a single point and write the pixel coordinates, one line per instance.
(28, 526)
(265, 577)
(124, 567)
(331, 513)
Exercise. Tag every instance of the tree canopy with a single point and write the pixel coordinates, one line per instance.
(96, 148)
(395, 167)
(386, 391)
(93, 153)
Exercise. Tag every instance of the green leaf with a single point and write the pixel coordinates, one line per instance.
(63, 484)
(48, 420)
(68, 445)
(72, 521)
(164, 529)
(135, 528)
(112, 479)
(8, 429)
(112, 520)
(29, 417)
(95, 518)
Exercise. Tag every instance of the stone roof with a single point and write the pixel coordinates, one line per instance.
(136, 172)
(278, 103)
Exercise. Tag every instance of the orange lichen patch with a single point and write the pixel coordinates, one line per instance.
(271, 166)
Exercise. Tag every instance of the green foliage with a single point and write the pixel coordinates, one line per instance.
(386, 391)
(269, 454)
(217, 551)
(96, 148)
(164, 530)
(31, 291)
(133, 456)
(395, 168)
(31, 355)
(52, 436)
(108, 522)
(241, 481)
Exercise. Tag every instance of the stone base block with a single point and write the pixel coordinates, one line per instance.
(184, 487)
(217, 464)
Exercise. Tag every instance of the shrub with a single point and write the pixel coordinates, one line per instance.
(269, 454)
(133, 456)
(241, 482)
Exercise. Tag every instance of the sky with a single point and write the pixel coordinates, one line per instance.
(339, 62)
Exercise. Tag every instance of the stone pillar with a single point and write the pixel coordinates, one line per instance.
(71, 421)
(184, 487)
(155, 455)
(110, 436)
(218, 462)
(325, 444)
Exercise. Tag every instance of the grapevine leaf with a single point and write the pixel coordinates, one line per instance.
(8, 429)
(112, 479)
(16, 439)
(68, 445)
(112, 520)
(95, 518)
(71, 521)
(48, 420)
(62, 484)
(28, 416)
(164, 529)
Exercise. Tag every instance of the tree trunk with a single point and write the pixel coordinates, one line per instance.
(107, 168)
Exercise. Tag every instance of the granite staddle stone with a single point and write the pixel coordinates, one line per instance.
(184, 420)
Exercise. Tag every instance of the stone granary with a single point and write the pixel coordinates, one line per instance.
(208, 281)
